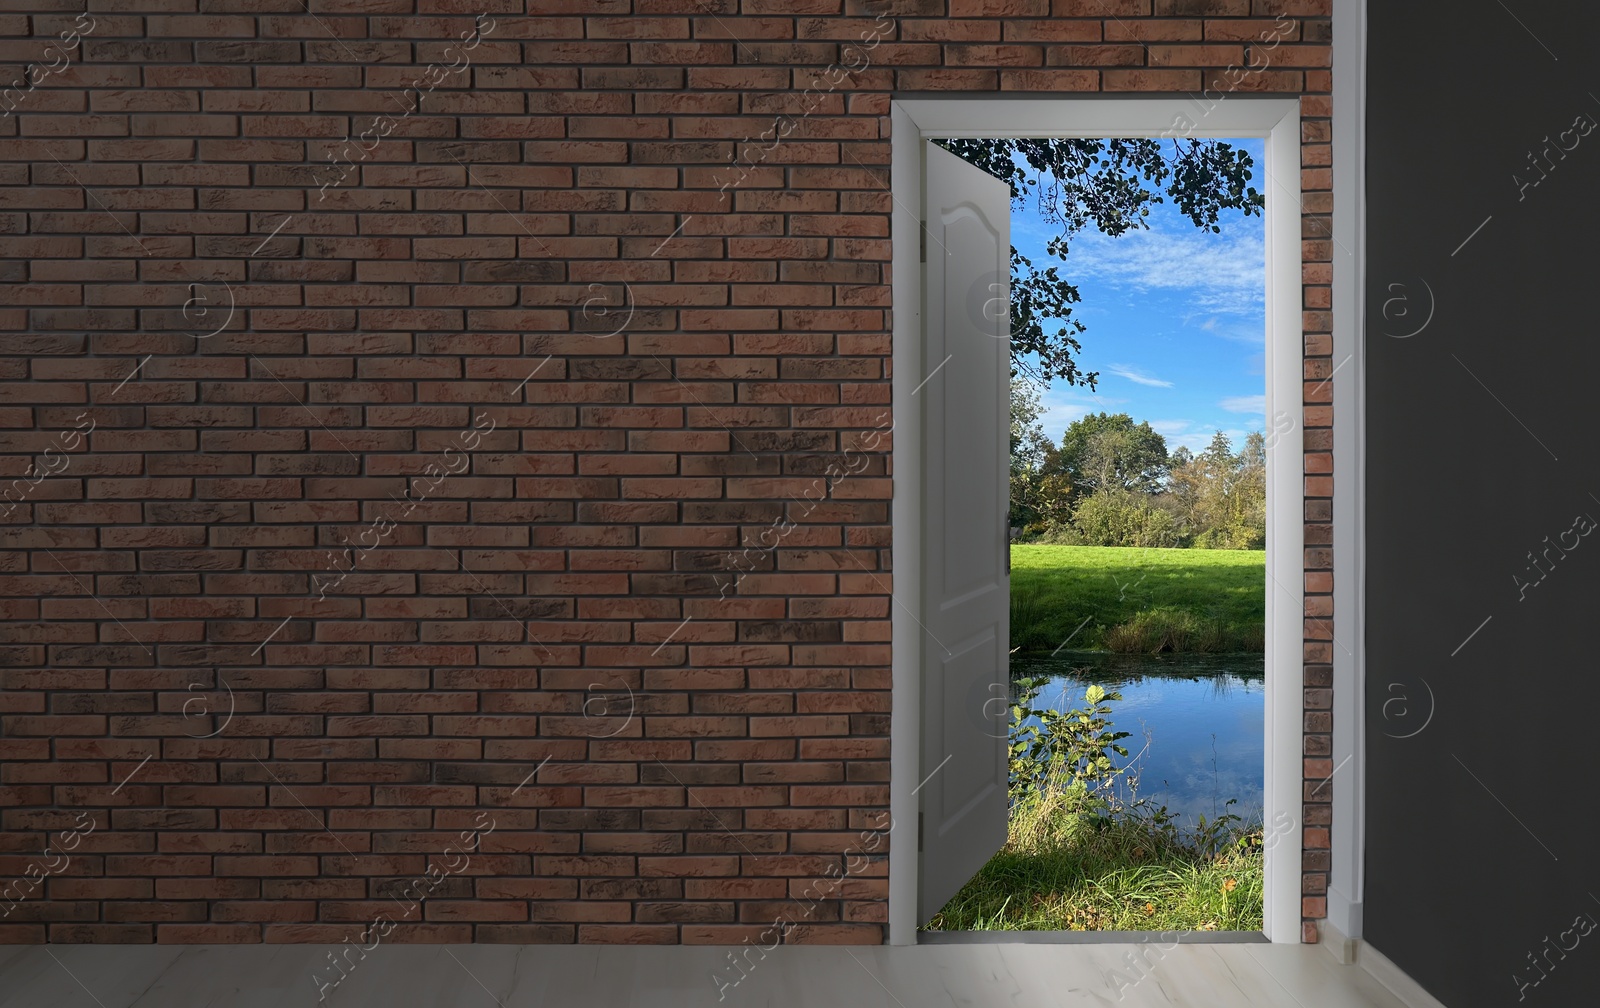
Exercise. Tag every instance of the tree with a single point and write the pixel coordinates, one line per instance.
(1219, 453)
(1104, 451)
(1219, 497)
(1250, 494)
(1029, 447)
(1184, 485)
(1110, 183)
(1028, 443)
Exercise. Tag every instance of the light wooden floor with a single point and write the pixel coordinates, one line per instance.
(567, 976)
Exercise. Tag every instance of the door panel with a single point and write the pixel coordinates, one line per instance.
(966, 413)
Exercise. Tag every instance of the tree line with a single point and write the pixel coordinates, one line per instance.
(1112, 482)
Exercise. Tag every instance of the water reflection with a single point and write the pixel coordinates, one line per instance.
(1197, 722)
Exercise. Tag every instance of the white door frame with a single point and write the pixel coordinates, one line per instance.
(1346, 876)
(1277, 120)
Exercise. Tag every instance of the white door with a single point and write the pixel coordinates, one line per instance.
(966, 568)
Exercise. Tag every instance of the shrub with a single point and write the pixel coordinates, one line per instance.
(1235, 536)
(1069, 749)
(1060, 533)
(1123, 518)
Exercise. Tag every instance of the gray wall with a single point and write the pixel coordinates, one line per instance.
(1481, 432)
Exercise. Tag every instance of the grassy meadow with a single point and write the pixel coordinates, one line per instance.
(1137, 600)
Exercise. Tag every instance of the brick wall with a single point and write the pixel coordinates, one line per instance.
(390, 399)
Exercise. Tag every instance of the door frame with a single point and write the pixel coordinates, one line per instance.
(1347, 868)
(1277, 121)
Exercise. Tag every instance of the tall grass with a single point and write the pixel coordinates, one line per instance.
(1064, 870)
(1031, 619)
(1158, 630)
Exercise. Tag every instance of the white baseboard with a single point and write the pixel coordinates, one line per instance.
(1378, 966)
(1341, 948)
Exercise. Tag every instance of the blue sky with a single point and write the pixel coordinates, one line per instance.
(1176, 321)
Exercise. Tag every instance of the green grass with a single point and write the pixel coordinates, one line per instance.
(1137, 599)
(1065, 871)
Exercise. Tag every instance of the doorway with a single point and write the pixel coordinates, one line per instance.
(951, 679)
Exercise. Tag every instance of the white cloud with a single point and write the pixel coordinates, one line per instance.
(1245, 404)
(1055, 417)
(1253, 332)
(1134, 374)
(1170, 428)
(1220, 274)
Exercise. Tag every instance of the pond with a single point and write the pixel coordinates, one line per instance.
(1197, 722)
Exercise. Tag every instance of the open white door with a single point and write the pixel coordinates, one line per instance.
(966, 588)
